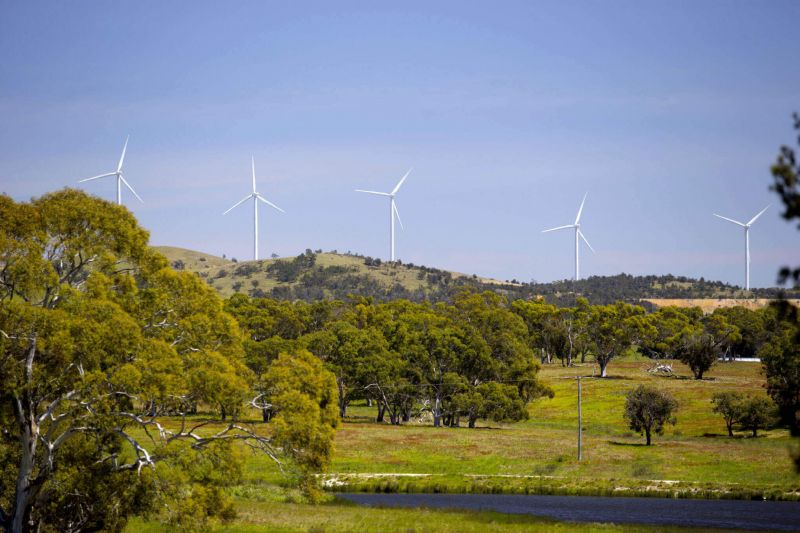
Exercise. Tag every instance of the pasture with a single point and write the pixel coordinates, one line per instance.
(694, 458)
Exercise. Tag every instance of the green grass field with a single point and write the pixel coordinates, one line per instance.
(694, 458)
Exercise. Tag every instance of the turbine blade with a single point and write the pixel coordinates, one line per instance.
(253, 159)
(729, 220)
(374, 192)
(237, 204)
(269, 203)
(122, 157)
(400, 183)
(758, 215)
(128, 185)
(98, 177)
(580, 209)
(584, 240)
(558, 228)
(397, 214)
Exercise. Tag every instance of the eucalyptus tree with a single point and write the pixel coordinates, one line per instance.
(615, 328)
(700, 348)
(98, 339)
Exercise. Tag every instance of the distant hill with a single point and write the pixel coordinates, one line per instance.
(315, 275)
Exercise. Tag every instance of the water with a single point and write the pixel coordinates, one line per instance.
(743, 514)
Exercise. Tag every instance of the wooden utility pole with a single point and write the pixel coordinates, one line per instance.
(580, 450)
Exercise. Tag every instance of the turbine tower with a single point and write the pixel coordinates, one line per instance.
(393, 212)
(578, 235)
(120, 178)
(256, 197)
(746, 243)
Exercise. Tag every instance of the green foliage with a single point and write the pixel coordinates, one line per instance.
(99, 340)
(613, 329)
(780, 357)
(729, 405)
(303, 396)
(647, 409)
(757, 412)
(786, 174)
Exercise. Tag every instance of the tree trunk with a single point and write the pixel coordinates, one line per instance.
(647, 435)
(222, 413)
(266, 414)
(381, 412)
(730, 429)
(342, 400)
(603, 364)
(25, 492)
(437, 415)
(755, 431)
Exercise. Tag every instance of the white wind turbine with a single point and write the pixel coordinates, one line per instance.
(393, 212)
(118, 174)
(256, 197)
(746, 243)
(578, 235)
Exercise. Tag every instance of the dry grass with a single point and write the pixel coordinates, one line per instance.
(209, 266)
(708, 305)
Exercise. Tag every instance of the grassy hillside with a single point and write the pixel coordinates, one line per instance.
(708, 305)
(314, 275)
(321, 274)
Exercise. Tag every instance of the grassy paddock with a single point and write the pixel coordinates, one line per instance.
(694, 458)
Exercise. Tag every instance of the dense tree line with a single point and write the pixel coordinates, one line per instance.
(456, 363)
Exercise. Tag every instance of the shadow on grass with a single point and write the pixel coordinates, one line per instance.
(722, 436)
(631, 444)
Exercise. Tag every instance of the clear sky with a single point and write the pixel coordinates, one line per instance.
(508, 111)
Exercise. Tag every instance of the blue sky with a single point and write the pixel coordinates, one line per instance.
(508, 111)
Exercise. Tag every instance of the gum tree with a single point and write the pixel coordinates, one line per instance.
(99, 339)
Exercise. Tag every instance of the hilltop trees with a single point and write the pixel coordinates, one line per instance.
(98, 339)
(647, 410)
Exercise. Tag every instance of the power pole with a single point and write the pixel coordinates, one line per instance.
(580, 450)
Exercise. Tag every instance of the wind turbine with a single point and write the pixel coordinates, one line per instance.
(256, 197)
(746, 243)
(118, 174)
(578, 235)
(393, 212)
